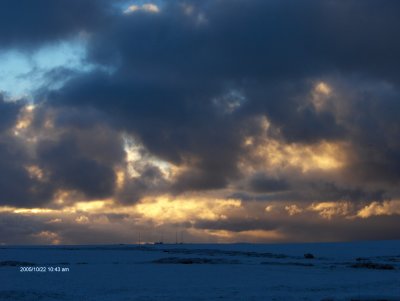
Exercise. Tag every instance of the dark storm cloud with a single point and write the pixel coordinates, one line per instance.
(374, 228)
(16, 185)
(287, 104)
(256, 39)
(27, 229)
(188, 85)
(374, 131)
(267, 189)
(9, 113)
(150, 182)
(328, 191)
(168, 119)
(33, 23)
(75, 154)
(16, 229)
(300, 229)
(263, 183)
(173, 69)
(83, 161)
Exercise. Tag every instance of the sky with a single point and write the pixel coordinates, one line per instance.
(199, 121)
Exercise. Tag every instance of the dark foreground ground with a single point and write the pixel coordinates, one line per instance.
(337, 271)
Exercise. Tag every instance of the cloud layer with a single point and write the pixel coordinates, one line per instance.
(259, 101)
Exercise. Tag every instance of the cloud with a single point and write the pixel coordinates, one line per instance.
(92, 152)
(267, 101)
(148, 7)
(30, 24)
(168, 77)
(42, 154)
(150, 181)
(94, 180)
(199, 218)
(380, 208)
(9, 113)
(263, 183)
(17, 183)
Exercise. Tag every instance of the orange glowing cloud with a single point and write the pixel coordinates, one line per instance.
(164, 209)
(376, 208)
(276, 155)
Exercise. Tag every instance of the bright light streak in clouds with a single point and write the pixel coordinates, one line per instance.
(167, 210)
(225, 236)
(32, 211)
(92, 206)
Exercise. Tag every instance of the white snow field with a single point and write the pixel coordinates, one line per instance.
(338, 271)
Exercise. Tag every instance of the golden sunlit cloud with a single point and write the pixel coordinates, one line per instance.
(260, 235)
(33, 211)
(269, 208)
(328, 210)
(35, 172)
(376, 208)
(24, 120)
(6, 209)
(225, 236)
(148, 7)
(165, 213)
(166, 210)
(161, 210)
(320, 96)
(54, 221)
(79, 207)
(323, 88)
(278, 155)
(82, 219)
(48, 236)
(119, 179)
(92, 206)
(293, 209)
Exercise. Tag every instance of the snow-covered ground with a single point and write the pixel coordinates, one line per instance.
(338, 271)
